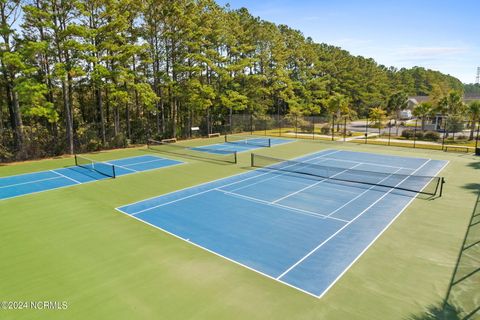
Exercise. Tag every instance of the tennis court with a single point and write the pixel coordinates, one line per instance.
(242, 143)
(84, 171)
(288, 224)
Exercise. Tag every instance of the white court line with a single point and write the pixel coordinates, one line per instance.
(28, 182)
(276, 174)
(68, 186)
(133, 164)
(119, 166)
(361, 194)
(150, 161)
(369, 163)
(313, 185)
(71, 179)
(198, 193)
(216, 253)
(322, 216)
(350, 222)
(234, 261)
(378, 236)
(214, 147)
(217, 180)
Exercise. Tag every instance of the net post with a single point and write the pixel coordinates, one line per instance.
(235, 157)
(76, 161)
(114, 172)
(441, 186)
(226, 139)
(269, 142)
(252, 160)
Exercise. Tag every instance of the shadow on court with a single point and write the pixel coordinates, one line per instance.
(446, 312)
(461, 300)
(474, 187)
(475, 165)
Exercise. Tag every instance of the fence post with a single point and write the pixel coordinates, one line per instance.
(280, 123)
(251, 123)
(476, 140)
(265, 125)
(366, 131)
(389, 131)
(313, 127)
(344, 129)
(415, 134)
(333, 128)
(296, 127)
(444, 133)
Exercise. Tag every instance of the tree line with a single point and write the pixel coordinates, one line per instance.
(84, 75)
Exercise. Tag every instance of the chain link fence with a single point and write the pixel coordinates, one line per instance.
(439, 132)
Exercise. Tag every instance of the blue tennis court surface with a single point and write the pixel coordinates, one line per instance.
(242, 144)
(18, 185)
(302, 231)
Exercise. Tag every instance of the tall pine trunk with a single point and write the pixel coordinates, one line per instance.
(100, 116)
(68, 115)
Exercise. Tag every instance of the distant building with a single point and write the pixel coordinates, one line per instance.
(436, 122)
(416, 100)
(405, 114)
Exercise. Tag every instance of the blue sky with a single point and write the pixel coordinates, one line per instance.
(442, 35)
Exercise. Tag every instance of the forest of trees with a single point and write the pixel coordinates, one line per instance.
(472, 89)
(83, 75)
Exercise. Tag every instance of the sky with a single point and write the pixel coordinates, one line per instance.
(442, 35)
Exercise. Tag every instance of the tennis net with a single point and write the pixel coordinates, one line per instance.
(254, 141)
(201, 152)
(429, 185)
(103, 168)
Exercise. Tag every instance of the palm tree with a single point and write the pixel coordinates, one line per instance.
(442, 107)
(474, 113)
(455, 103)
(397, 102)
(422, 111)
(377, 114)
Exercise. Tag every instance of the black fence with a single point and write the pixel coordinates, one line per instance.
(440, 133)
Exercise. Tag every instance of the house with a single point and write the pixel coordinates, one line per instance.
(436, 122)
(407, 113)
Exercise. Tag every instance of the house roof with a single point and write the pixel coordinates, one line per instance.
(419, 99)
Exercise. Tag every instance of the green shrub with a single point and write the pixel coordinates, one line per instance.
(94, 145)
(305, 126)
(410, 134)
(119, 141)
(407, 134)
(5, 154)
(432, 136)
(419, 135)
(325, 130)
